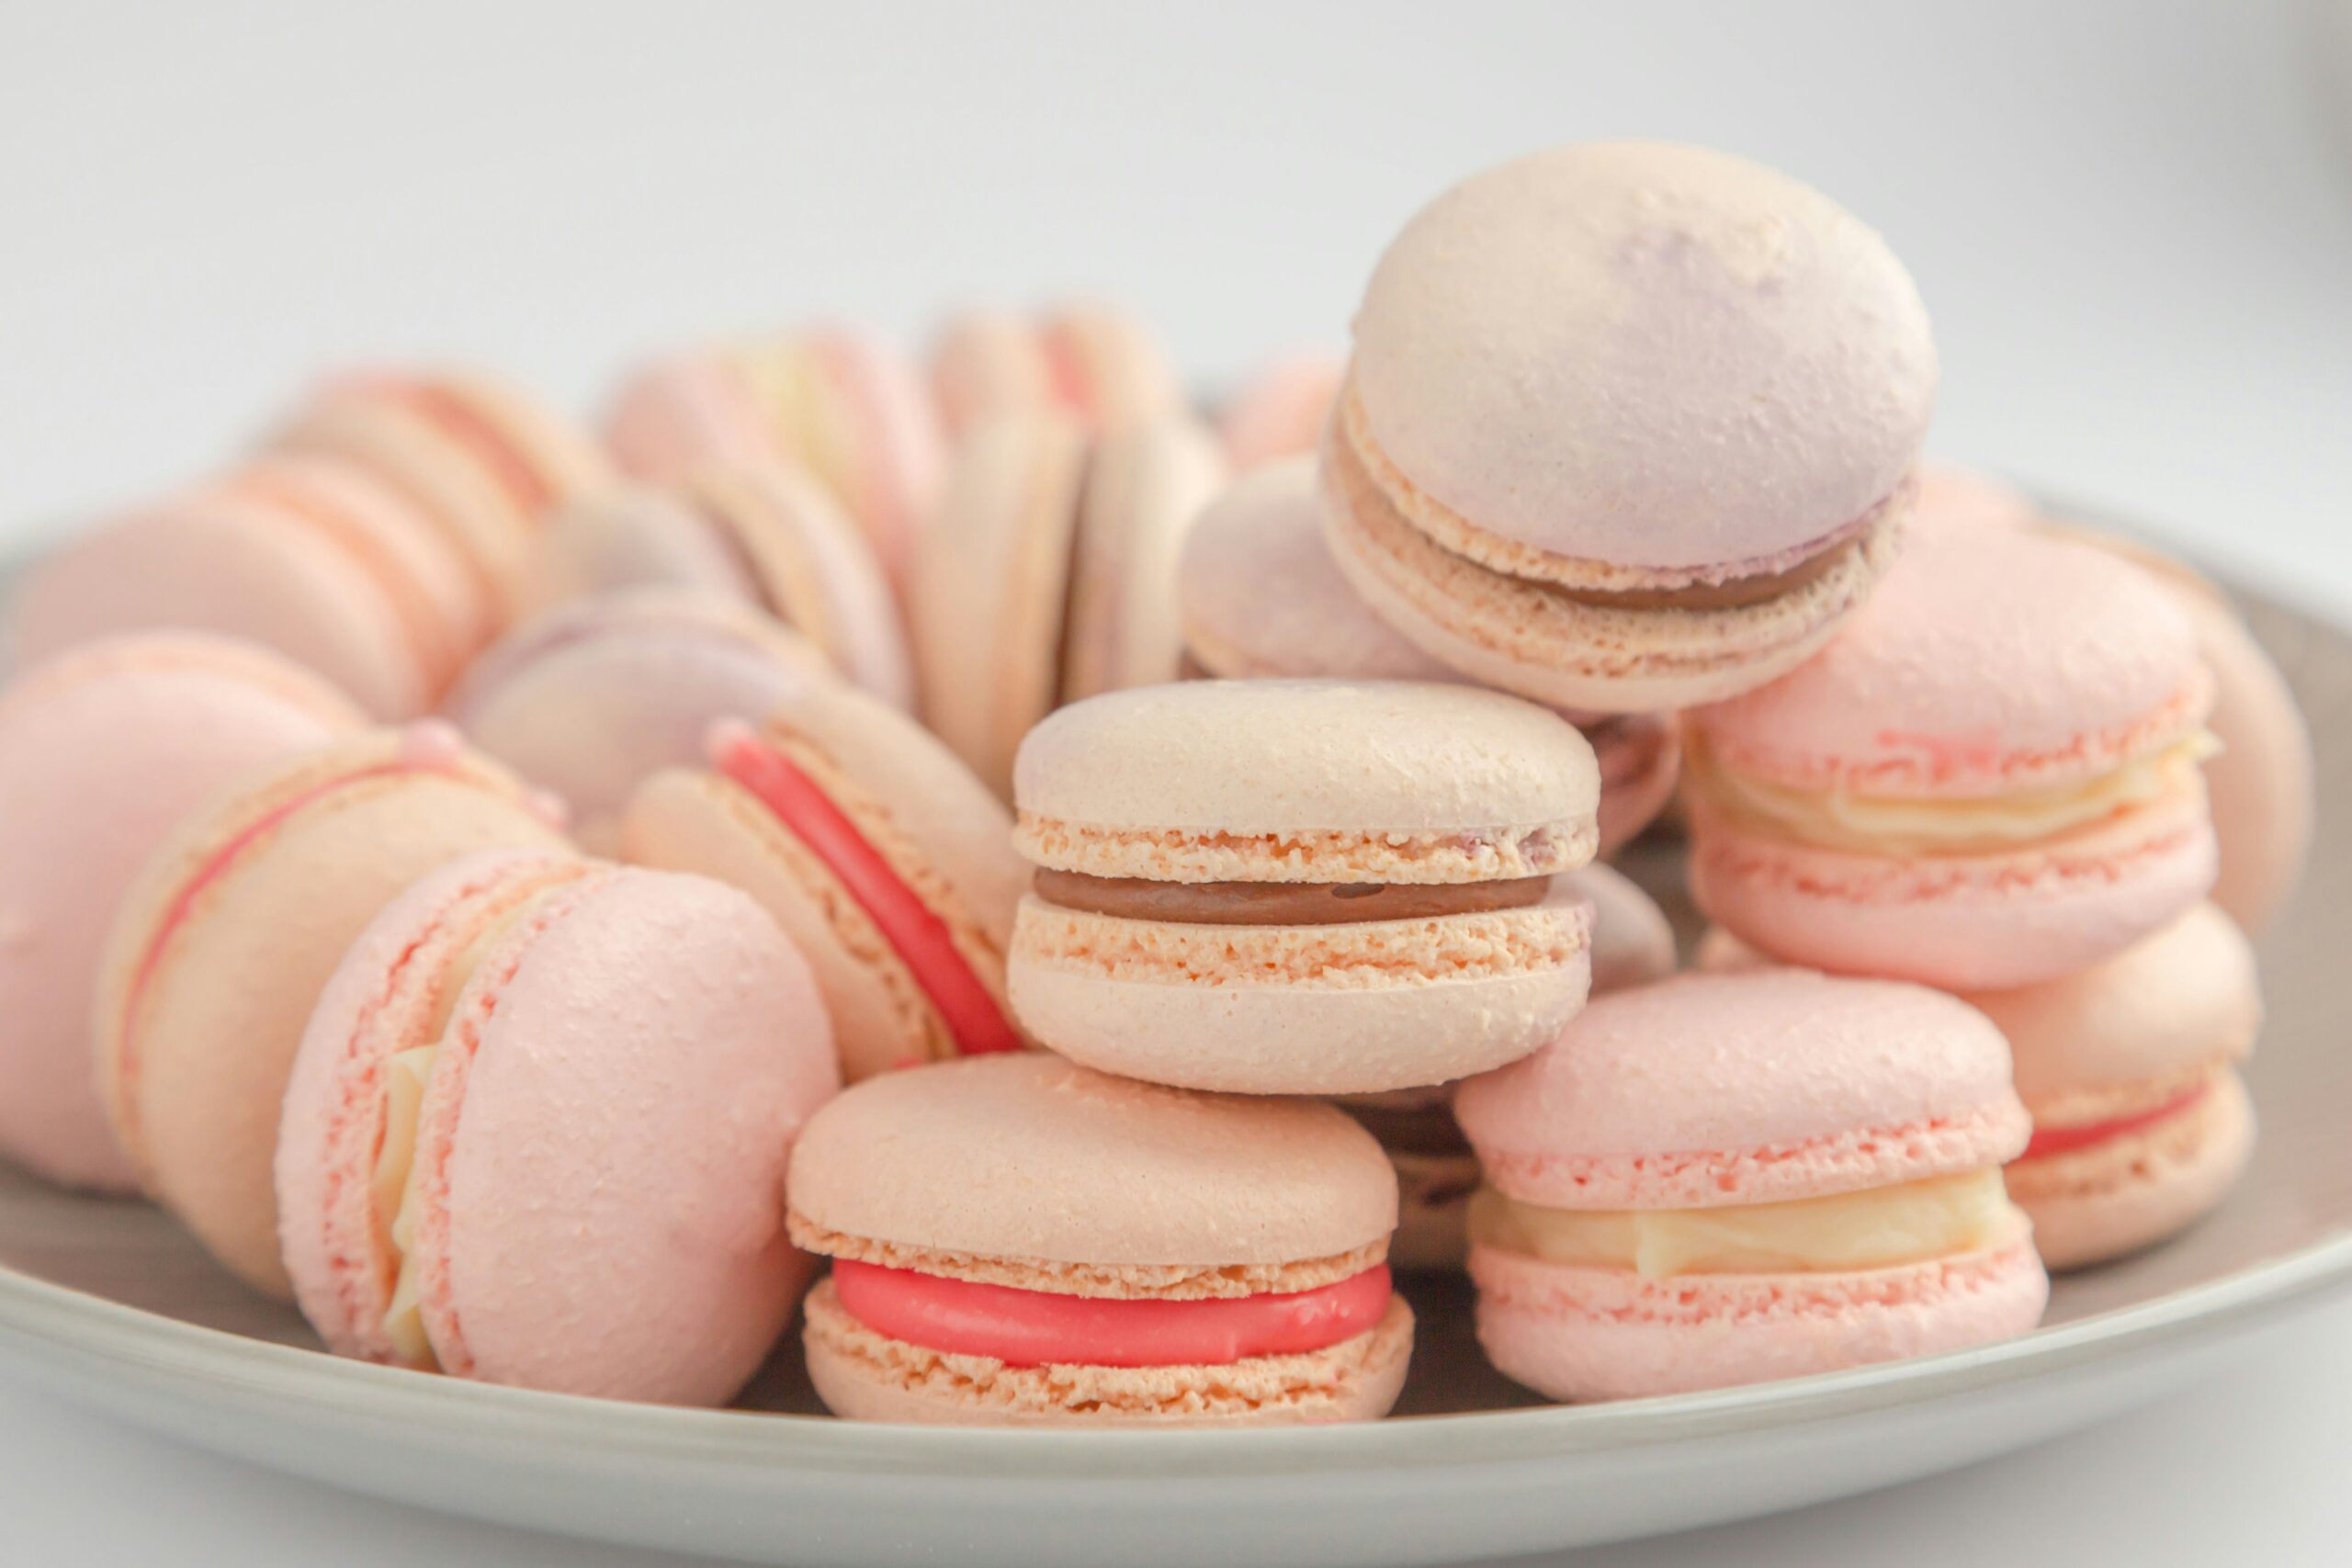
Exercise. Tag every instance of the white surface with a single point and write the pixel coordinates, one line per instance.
(2124, 216)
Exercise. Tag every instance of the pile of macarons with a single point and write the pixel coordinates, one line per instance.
(1074, 897)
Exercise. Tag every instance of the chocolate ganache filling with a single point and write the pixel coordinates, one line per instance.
(1282, 903)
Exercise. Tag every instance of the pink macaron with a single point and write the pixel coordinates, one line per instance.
(880, 853)
(311, 556)
(1991, 779)
(1301, 886)
(1436, 1170)
(1101, 366)
(591, 700)
(1261, 597)
(836, 404)
(1729, 1179)
(225, 942)
(537, 1131)
(1048, 573)
(2141, 1123)
(484, 460)
(102, 750)
(1281, 410)
(1018, 1241)
(771, 538)
(1628, 426)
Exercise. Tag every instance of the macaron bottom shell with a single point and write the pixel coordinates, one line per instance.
(2114, 1197)
(1577, 1333)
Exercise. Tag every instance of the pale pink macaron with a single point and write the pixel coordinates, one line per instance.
(484, 460)
(102, 750)
(311, 556)
(1281, 410)
(1104, 366)
(1261, 597)
(1970, 498)
(1048, 573)
(1628, 426)
(879, 852)
(537, 1128)
(223, 945)
(1018, 1241)
(834, 404)
(592, 700)
(1436, 1170)
(1992, 779)
(2141, 1123)
(771, 538)
(1729, 1179)
(1301, 886)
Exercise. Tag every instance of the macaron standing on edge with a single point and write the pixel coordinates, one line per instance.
(223, 945)
(520, 1024)
(1544, 476)
(1729, 1178)
(881, 856)
(591, 700)
(1260, 597)
(1991, 779)
(1101, 366)
(1205, 1260)
(1301, 886)
(102, 750)
(1281, 410)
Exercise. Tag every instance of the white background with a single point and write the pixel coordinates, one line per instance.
(2132, 221)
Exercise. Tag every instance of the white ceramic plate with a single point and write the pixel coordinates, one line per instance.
(107, 1303)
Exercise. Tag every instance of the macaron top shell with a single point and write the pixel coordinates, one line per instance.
(1988, 661)
(1033, 1157)
(1281, 757)
(2176, 1002)
(1261, 595)
(1644, 355)
(1779, 1084)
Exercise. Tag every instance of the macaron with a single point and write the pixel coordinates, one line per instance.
(1260, 596)
(591, 700)
(832, 403)
(1301, 886)
(1049, 574)
(771, 538)
(1203, 1260)
(310, 555)
(1729, 1178)
(1281, 410)
(1628, 426)
(485, 461)
(102, 749)
(1971, 499)
(1104, 366)
(1992, 779)
(2141, 1123)
(536, 1132)
(227, 938)
(1436, 1170)
(886, 861)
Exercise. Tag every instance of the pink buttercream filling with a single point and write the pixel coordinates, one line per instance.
(2048, 1141)
(1031, 1328)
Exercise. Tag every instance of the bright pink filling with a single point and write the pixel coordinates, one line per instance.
(974, 1021)
(1066, 372)
(1031, 1328)
(2048, 1141)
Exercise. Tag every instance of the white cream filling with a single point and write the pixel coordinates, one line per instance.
(1939, 1217)
(1890, 824)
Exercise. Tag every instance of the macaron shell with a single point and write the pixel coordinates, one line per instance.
(1560, 292)
(1708, 1089)
(678, 415)
(1968, 499)
(1281, 411)
(645, 1057)
(102, 750)
(1633, 942)
(222, 1012)
(950, 1158)
(1145, 485)
(1123, 372)
(863, 1376)
(2262, 785)
(1590, 1334)
(984, 364)
(902, 452)
(2117, 1197)
(632, 537)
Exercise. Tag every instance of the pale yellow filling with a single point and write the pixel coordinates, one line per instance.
(1889, 825)
(1941, 1217)
(789, 383)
